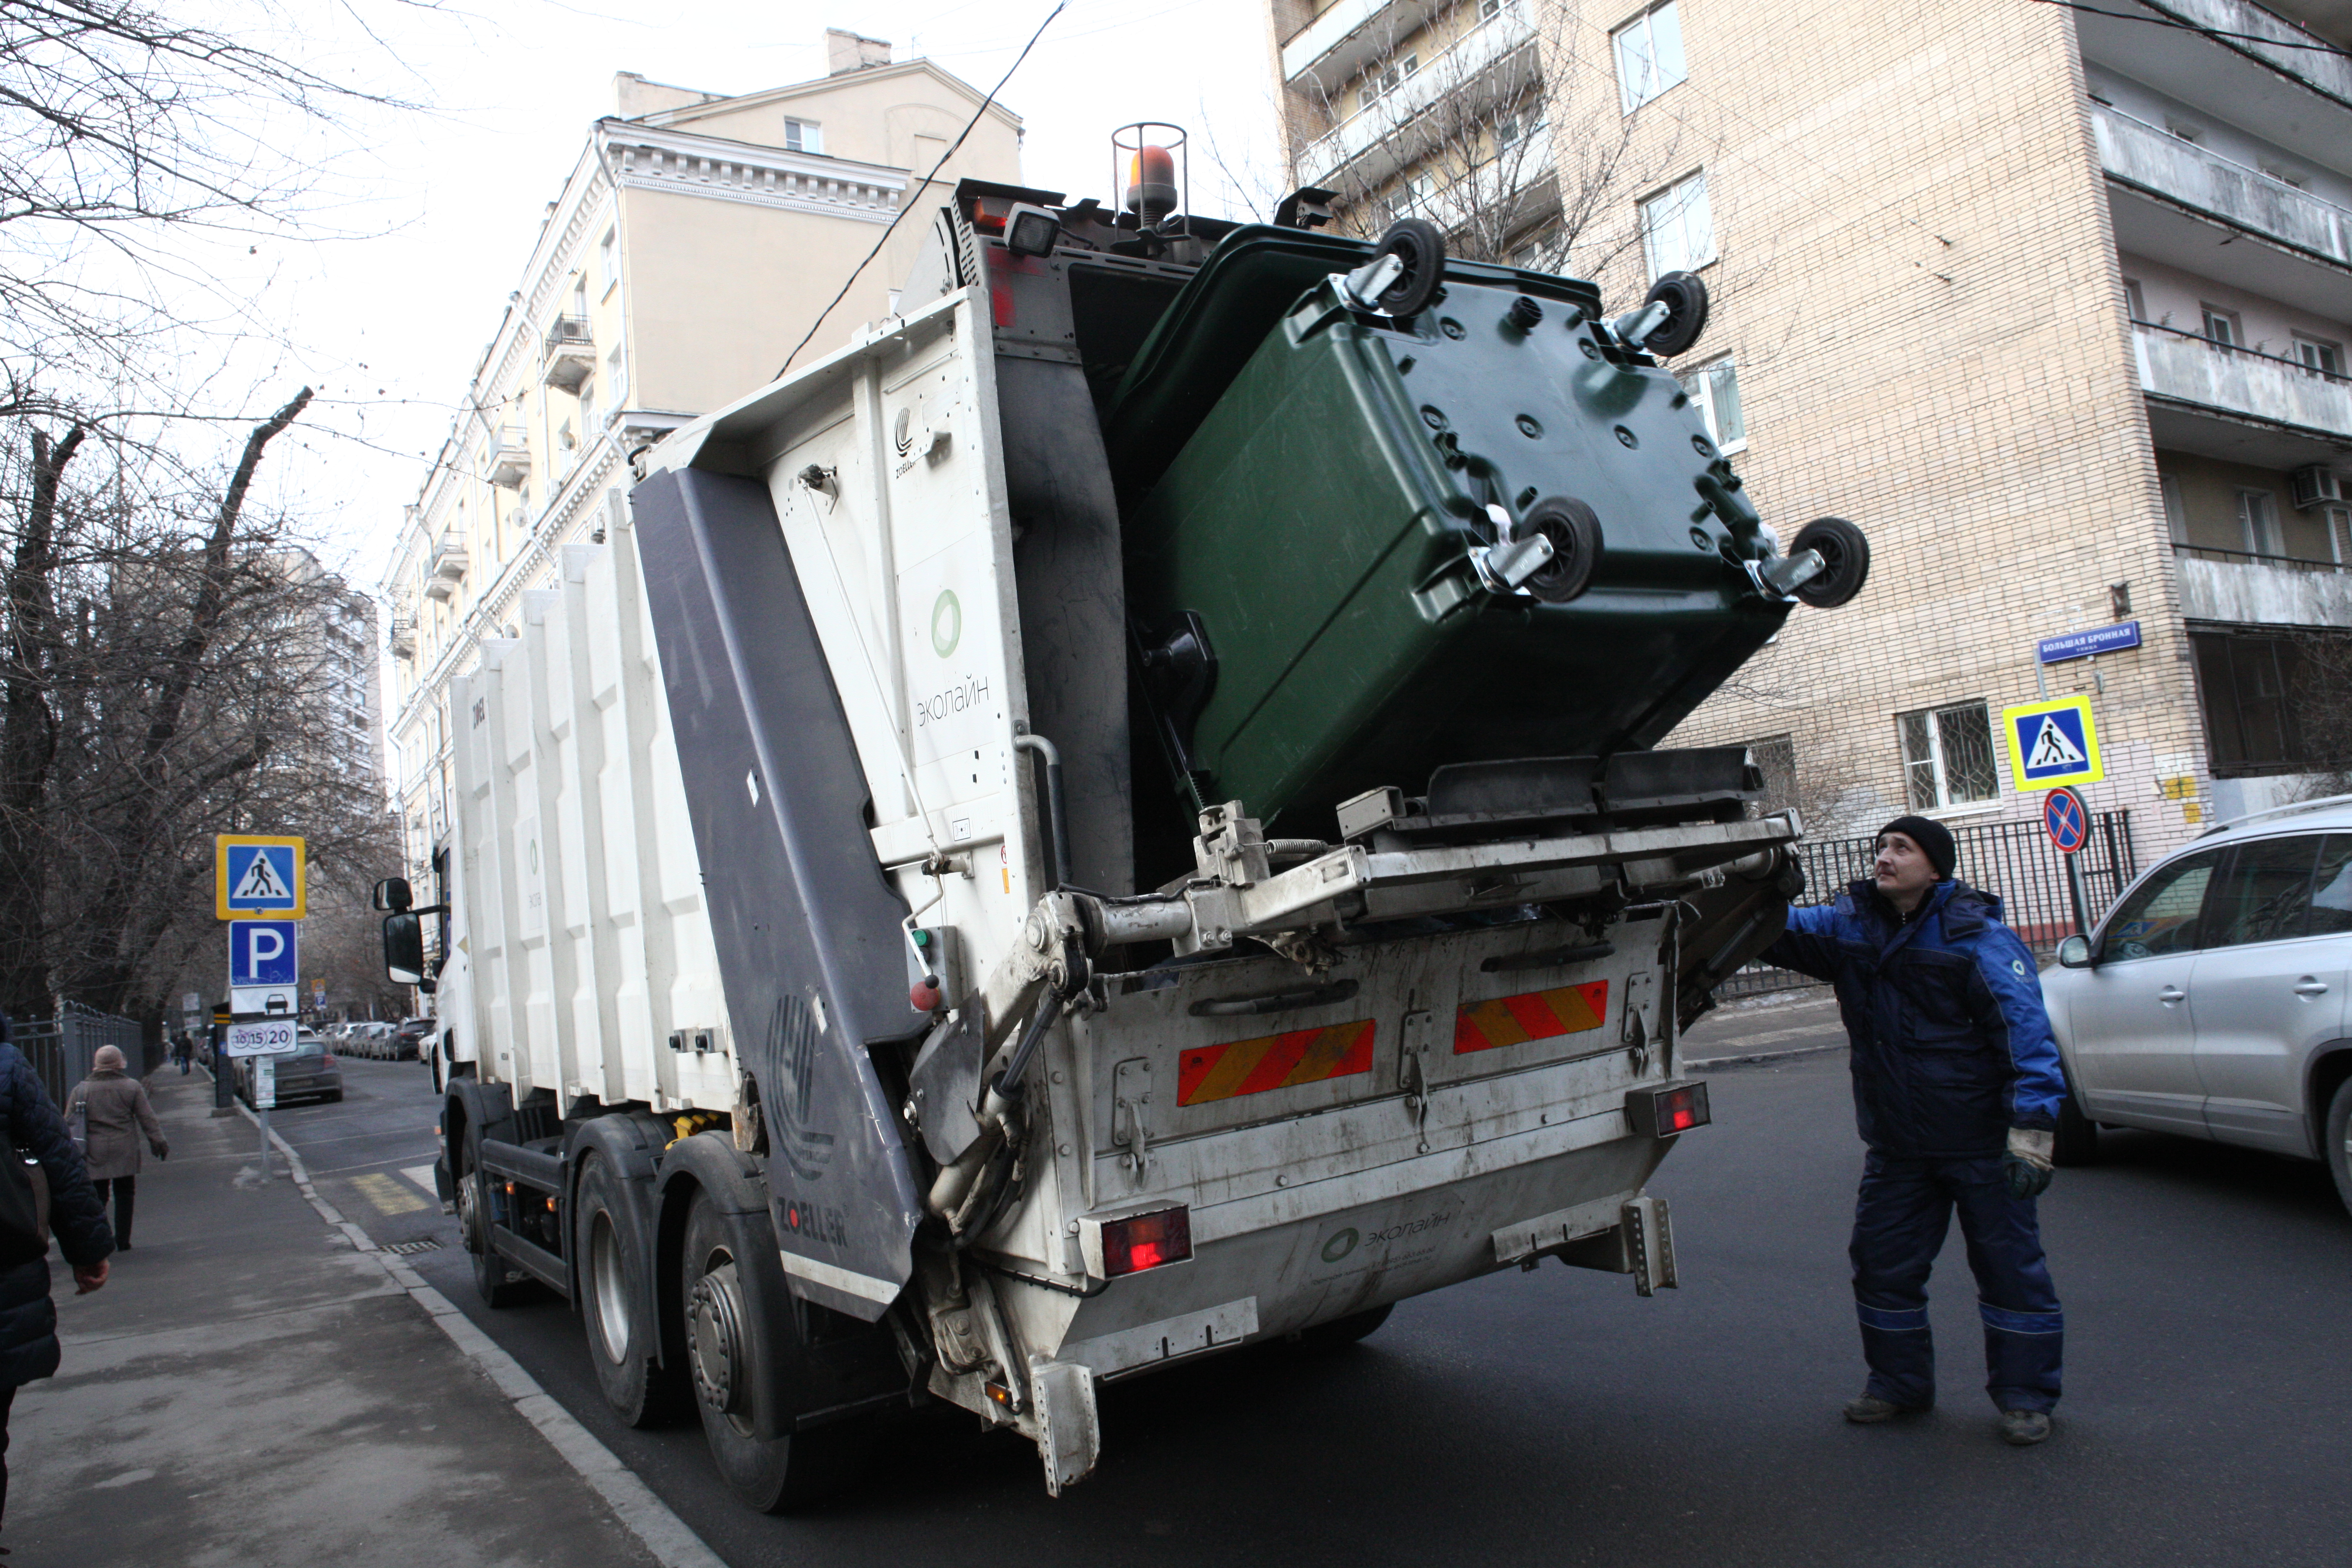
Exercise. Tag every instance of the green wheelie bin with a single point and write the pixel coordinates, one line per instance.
(1334, 586)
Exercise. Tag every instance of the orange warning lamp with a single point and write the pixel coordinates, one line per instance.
(1151, 184)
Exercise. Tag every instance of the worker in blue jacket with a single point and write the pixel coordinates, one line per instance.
(1956, 1086)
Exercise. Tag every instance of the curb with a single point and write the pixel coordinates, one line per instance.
(1752, 1057)
(668, 1537)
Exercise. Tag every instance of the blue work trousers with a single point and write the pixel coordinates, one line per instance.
(1900, 1220)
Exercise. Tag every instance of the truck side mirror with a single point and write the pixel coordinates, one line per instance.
(393, 893)
(403, 947)
(2074, 953)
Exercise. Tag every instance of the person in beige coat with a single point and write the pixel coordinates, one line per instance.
(119, 1118)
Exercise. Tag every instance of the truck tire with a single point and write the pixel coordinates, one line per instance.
(1340, 1332)
(624, 1329)
(497, 1285)
(728, 1348)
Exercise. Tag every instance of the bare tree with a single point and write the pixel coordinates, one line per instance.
(2320, 705)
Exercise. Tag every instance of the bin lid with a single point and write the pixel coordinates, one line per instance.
(1219, 317)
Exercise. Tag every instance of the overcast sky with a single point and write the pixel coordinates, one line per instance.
(390, 324)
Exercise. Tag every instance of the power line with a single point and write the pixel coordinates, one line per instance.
(906, 206)
(2162, 20)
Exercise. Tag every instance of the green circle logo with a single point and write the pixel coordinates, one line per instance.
(947, 623)
(1341, 1244)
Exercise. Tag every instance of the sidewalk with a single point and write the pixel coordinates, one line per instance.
(1765, 1030)
(251, 1387)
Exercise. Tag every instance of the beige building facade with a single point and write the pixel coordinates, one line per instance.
(2054, 305)
(697, 243)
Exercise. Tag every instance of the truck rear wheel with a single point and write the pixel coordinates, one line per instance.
(624, 1330)
(729, 1349)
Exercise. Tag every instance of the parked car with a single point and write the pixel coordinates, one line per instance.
(307, 1072)
(408, 1043)
(2211, 1001)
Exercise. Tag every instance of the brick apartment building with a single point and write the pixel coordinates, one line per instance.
(2055, 304)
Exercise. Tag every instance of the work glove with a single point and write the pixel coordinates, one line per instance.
(2028, 1162)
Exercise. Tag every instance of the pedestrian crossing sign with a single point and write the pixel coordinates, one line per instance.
(257, 878)
(2051, 743)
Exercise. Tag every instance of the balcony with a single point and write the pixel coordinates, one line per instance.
(2138, 154)
(511, 458)
(1486, 66)
(2324, 70)
(2239, 588)
(404, 634)
(2243, 385)
(1349, 35)
(570, 354)
(449, 568)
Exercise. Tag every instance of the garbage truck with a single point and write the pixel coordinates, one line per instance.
(1118, 816)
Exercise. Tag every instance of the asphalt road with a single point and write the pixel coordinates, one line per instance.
(1557, 1417)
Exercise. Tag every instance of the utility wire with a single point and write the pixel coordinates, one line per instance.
(847, 282)
(2162, 20)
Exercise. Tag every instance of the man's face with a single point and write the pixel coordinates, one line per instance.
(1901, 869)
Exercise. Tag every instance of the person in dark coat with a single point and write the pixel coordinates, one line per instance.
(1956, 1085)
(28, 1319)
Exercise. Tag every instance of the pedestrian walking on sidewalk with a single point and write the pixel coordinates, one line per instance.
(183, 1048)
(1956, 1087)
(119, 1119)
(28, 1319)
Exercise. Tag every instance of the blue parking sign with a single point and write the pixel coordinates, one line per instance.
(264, 952)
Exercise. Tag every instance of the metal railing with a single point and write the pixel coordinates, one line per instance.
(2014, 859)
(60, 1049)
(2281, 361)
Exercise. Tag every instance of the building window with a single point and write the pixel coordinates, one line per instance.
(804, 136)
(2317, 355)
(616, 375)
(1677, 232)
(1947, 757)
(2258, 522)
(588, 410)
(2221, 326)
(1379, 81)
(2135, 302)
(2176, 514)
(608, 259)
(1715, 389)
(1648, 55)
(2246, 684)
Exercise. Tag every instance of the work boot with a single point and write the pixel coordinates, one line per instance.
(1870, 1410)
(2023, 1428)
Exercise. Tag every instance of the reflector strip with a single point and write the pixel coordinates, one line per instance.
(1530, 1015)
(1275, 1061)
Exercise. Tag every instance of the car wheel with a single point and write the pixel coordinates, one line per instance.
(2078, 1135)
(624, 1329)
(729, 1348)
(2339, 1141)
(1343, 1331)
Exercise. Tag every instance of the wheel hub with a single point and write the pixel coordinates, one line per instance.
(714, 1341)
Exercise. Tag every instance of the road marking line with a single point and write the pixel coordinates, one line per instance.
(668, 1537)
(388, 1196)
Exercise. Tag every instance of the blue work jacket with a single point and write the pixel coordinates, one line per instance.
(1951, 1046)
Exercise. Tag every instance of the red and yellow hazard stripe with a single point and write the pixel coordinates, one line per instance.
(1275, 1061)
(1530, 1015)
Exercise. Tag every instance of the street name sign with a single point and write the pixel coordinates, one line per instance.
(261, 1037)
(2053, 743)
(258, 876)
(2083, 645)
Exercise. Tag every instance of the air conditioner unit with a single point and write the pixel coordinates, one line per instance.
(2318, 486)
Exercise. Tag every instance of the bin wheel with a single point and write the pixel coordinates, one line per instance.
(1684, 294)
(624, 1329)
(1417, 243)
(729, 1348)
(1846, 561)
(1575, 535)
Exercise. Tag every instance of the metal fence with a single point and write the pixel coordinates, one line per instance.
(59, 1049)
(2015, 859)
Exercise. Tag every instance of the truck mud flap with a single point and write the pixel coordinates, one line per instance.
(806, 928)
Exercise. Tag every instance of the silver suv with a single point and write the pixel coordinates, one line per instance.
(2212, 999)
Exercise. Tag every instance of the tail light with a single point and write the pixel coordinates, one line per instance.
(1666, 1108)
(1133, 1243)
(327, 1058)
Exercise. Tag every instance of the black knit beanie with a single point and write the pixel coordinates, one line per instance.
(1934, 839)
